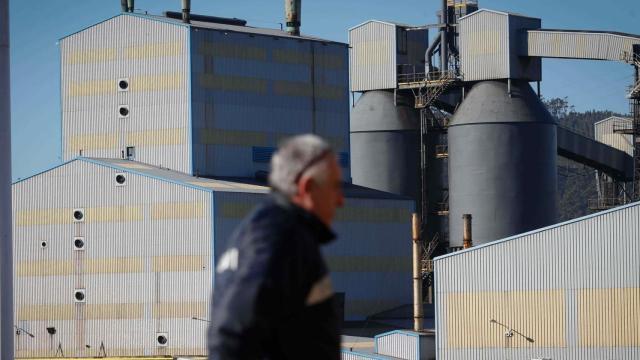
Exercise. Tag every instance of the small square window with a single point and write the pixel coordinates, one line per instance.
(130, 152)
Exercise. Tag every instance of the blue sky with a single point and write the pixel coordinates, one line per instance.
(36, 25)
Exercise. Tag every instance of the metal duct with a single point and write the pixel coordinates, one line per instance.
(123, 5)
(6, 249)
(130, 5)
(186, 11)
(417, 273)
(467, 241)
(293, 15)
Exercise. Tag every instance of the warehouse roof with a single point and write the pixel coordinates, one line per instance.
(519, 236)
(220, 27)
(230, 184)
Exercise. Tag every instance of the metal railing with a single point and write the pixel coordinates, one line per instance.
(604, 203)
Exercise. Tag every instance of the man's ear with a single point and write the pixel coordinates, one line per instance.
(305, 185)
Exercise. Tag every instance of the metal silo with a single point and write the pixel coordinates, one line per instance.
(502, 162)
(385, 143)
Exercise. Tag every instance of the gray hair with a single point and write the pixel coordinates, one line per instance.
(297, 156)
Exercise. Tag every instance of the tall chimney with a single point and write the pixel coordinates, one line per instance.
(6, 246)
(293, 14)
(186, 11)
(123, 5)
(417, 273)
(467, 241)
(130, 4)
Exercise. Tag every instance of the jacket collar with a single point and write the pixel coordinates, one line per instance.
(321, 231)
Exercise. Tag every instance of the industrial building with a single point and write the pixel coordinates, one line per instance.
(568, 291)
(167, 134)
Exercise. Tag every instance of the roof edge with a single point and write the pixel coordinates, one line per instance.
(554, 226)
(499, 12)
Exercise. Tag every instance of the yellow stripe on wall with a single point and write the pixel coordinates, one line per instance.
(114, 214)
(232, 51)
(179, 263)
(92, 215)
(114, 311)
(233, 83)
(45, 312)
(114, 265)
(156, 82)
(373, 215)
(177, 211)
(288, 56)
(137, 84)
(157, 137)
(154, 50)
(231, 137)
(91, 87)
(292, 88)
(44, 268)
(44, 217)
(92, 142)
(180, 310)
(539, 315)
(91, 56)
(369, 263)
(609, 317)
(235, 210)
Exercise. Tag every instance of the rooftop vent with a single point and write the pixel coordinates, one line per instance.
(206, 18)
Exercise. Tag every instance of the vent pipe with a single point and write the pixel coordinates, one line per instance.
(467, 241)
(130, 4)
(6, 246)
(123, 5)
(417, 273)
(444, 38)
(186, 11)
(293, 14)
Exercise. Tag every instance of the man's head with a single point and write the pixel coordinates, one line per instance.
(306, 171)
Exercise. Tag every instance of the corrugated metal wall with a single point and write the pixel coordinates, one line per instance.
(153, 57)
(399, 345)
(574, 289)
(484, 46)
(579, 45)
(371, 259)
(372, 57)
(604, 133)
(251, 91)
(145, 267)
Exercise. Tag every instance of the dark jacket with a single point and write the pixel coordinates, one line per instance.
(272, 297)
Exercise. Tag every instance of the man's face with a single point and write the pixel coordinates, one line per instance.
(327, 196)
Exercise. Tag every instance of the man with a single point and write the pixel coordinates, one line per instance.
(272, 297)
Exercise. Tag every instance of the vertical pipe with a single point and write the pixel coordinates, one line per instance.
(186, 11)
(467, 241)
(293, 16)
(123, 5)
(130, 5)
(6, 248)
(444, 38)
(417, 273)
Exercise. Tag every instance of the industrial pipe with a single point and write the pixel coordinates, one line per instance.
(417, 273)
(467, 241)
(123, 5)
(6, 248)
(130, 4)
(429, 55)
(186, 11)
(444, 38)
(293, 15)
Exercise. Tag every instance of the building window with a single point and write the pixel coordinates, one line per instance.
(130, 152)
(401, 40)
